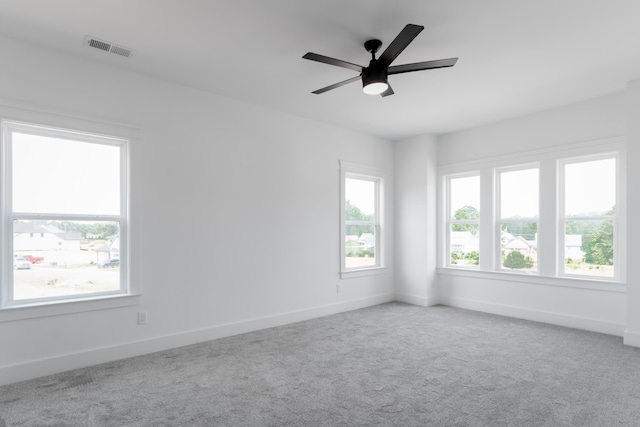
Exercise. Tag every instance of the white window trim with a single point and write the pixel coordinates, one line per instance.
(592, 283)
(359, 171)
(547, 159)
(17, 114)
(448, 215)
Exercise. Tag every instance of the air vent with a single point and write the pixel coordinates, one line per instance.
(108, 47)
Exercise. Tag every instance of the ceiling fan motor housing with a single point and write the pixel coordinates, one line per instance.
(374, 73)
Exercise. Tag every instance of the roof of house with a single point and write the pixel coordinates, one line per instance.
(29, 227)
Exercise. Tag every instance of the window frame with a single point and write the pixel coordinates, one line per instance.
(450, 221)
(20, 117)
(350, 170)
(548, 222)
(562, 218)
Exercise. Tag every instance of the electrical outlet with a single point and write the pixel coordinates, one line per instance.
(142, 318)
(338, 288)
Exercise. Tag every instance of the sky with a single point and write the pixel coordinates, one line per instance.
(49, 174)
(589, 187)
(465, 192)
(362, 194)
(520, 194)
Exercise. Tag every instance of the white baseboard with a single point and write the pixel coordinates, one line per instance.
(588, 324)
(39, 368)
(416, 300)
(631, 338)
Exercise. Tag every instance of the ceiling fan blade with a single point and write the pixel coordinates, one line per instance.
(336, 85)
(403, 39)
(332, 61)
(387, 92)
(427, 65)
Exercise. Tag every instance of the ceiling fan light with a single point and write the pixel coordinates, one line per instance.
(375, 88)
(374, 78)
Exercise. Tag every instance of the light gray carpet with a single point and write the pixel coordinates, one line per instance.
(389, 365)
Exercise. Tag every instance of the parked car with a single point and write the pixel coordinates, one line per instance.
(110, 263)
(20, 263)
(34, 259)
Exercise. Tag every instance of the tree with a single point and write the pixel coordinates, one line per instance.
(101, 230)
(466, 212)
(598, 245)
(580, 227)
(353, 213)
(516, 260)
(473, 257)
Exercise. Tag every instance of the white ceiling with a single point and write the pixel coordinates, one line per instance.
(516, 56)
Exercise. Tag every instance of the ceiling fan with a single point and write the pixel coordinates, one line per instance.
(374, 77)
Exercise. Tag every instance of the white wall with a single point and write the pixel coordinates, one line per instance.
(235, 210)
(415, 212)
(632, 331)
(582, 307)
(593, 119)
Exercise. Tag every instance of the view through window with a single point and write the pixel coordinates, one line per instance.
(464, 218)
(65, 210)
(556, 213)
(519, 212)
(589, 217)
(361, 225)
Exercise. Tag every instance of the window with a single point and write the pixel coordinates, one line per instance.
(70, 188)
(518, 213)
(464, 221)
(588, 216)
(553, 216)
(361, 242)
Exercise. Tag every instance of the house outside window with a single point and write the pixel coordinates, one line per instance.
(361, 225)
(70, 188)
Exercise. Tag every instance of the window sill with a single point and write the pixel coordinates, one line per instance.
(568, 282)
(9, 314)
(363, 272)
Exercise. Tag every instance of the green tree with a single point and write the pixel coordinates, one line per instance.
(103, 230)
(580, 227)
(473, 257)
(353, 213)
(466, 212)
(517, 260)
(455, 257)
(598, 245)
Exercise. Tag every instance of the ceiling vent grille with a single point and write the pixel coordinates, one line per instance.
(108, 47)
